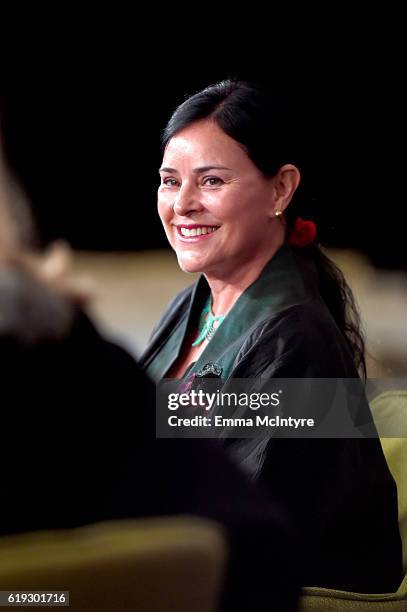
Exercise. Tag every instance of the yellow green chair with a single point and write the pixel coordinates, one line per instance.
(389, 410)
(145, 565)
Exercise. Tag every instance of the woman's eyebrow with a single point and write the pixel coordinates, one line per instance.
(171, 170)
(196, 170)
(206, 168)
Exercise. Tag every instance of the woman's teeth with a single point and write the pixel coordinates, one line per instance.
(197, 231)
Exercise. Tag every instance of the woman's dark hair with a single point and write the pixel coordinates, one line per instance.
(259, 122)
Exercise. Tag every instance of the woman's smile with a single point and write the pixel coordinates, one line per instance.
(195, 232)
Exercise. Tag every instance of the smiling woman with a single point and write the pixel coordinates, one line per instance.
(218, 209)
(270, 304)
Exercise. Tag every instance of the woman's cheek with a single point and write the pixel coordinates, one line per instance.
(163, 207)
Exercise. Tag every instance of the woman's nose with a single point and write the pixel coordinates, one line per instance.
(187, 200)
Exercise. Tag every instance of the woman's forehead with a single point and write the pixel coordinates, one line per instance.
(204, 143)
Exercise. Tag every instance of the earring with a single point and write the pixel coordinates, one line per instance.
(278, 213)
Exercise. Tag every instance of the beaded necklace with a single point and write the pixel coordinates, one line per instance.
(206, 328)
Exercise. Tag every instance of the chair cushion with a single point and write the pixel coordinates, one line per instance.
(389, 411)
(327, 600)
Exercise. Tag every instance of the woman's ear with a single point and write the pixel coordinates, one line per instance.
(284, 184)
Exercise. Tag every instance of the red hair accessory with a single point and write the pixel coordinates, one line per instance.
(303, 233)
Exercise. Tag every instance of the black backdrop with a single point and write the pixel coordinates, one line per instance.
(87, 149)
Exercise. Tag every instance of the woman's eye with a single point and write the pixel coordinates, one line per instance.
(212, 181)
(170, 182)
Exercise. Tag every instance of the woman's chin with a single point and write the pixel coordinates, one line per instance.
(190, 264)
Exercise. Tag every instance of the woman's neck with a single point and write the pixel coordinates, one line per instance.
(228, 287)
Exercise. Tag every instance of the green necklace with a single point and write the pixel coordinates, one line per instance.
(206, 327)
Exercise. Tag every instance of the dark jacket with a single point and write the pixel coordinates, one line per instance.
(338, 493)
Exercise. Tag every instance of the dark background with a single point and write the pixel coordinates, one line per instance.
(86, 145)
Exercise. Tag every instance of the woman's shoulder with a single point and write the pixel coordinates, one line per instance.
(308, 321)
(303, 337)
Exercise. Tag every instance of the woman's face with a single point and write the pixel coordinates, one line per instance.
(215, 205)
